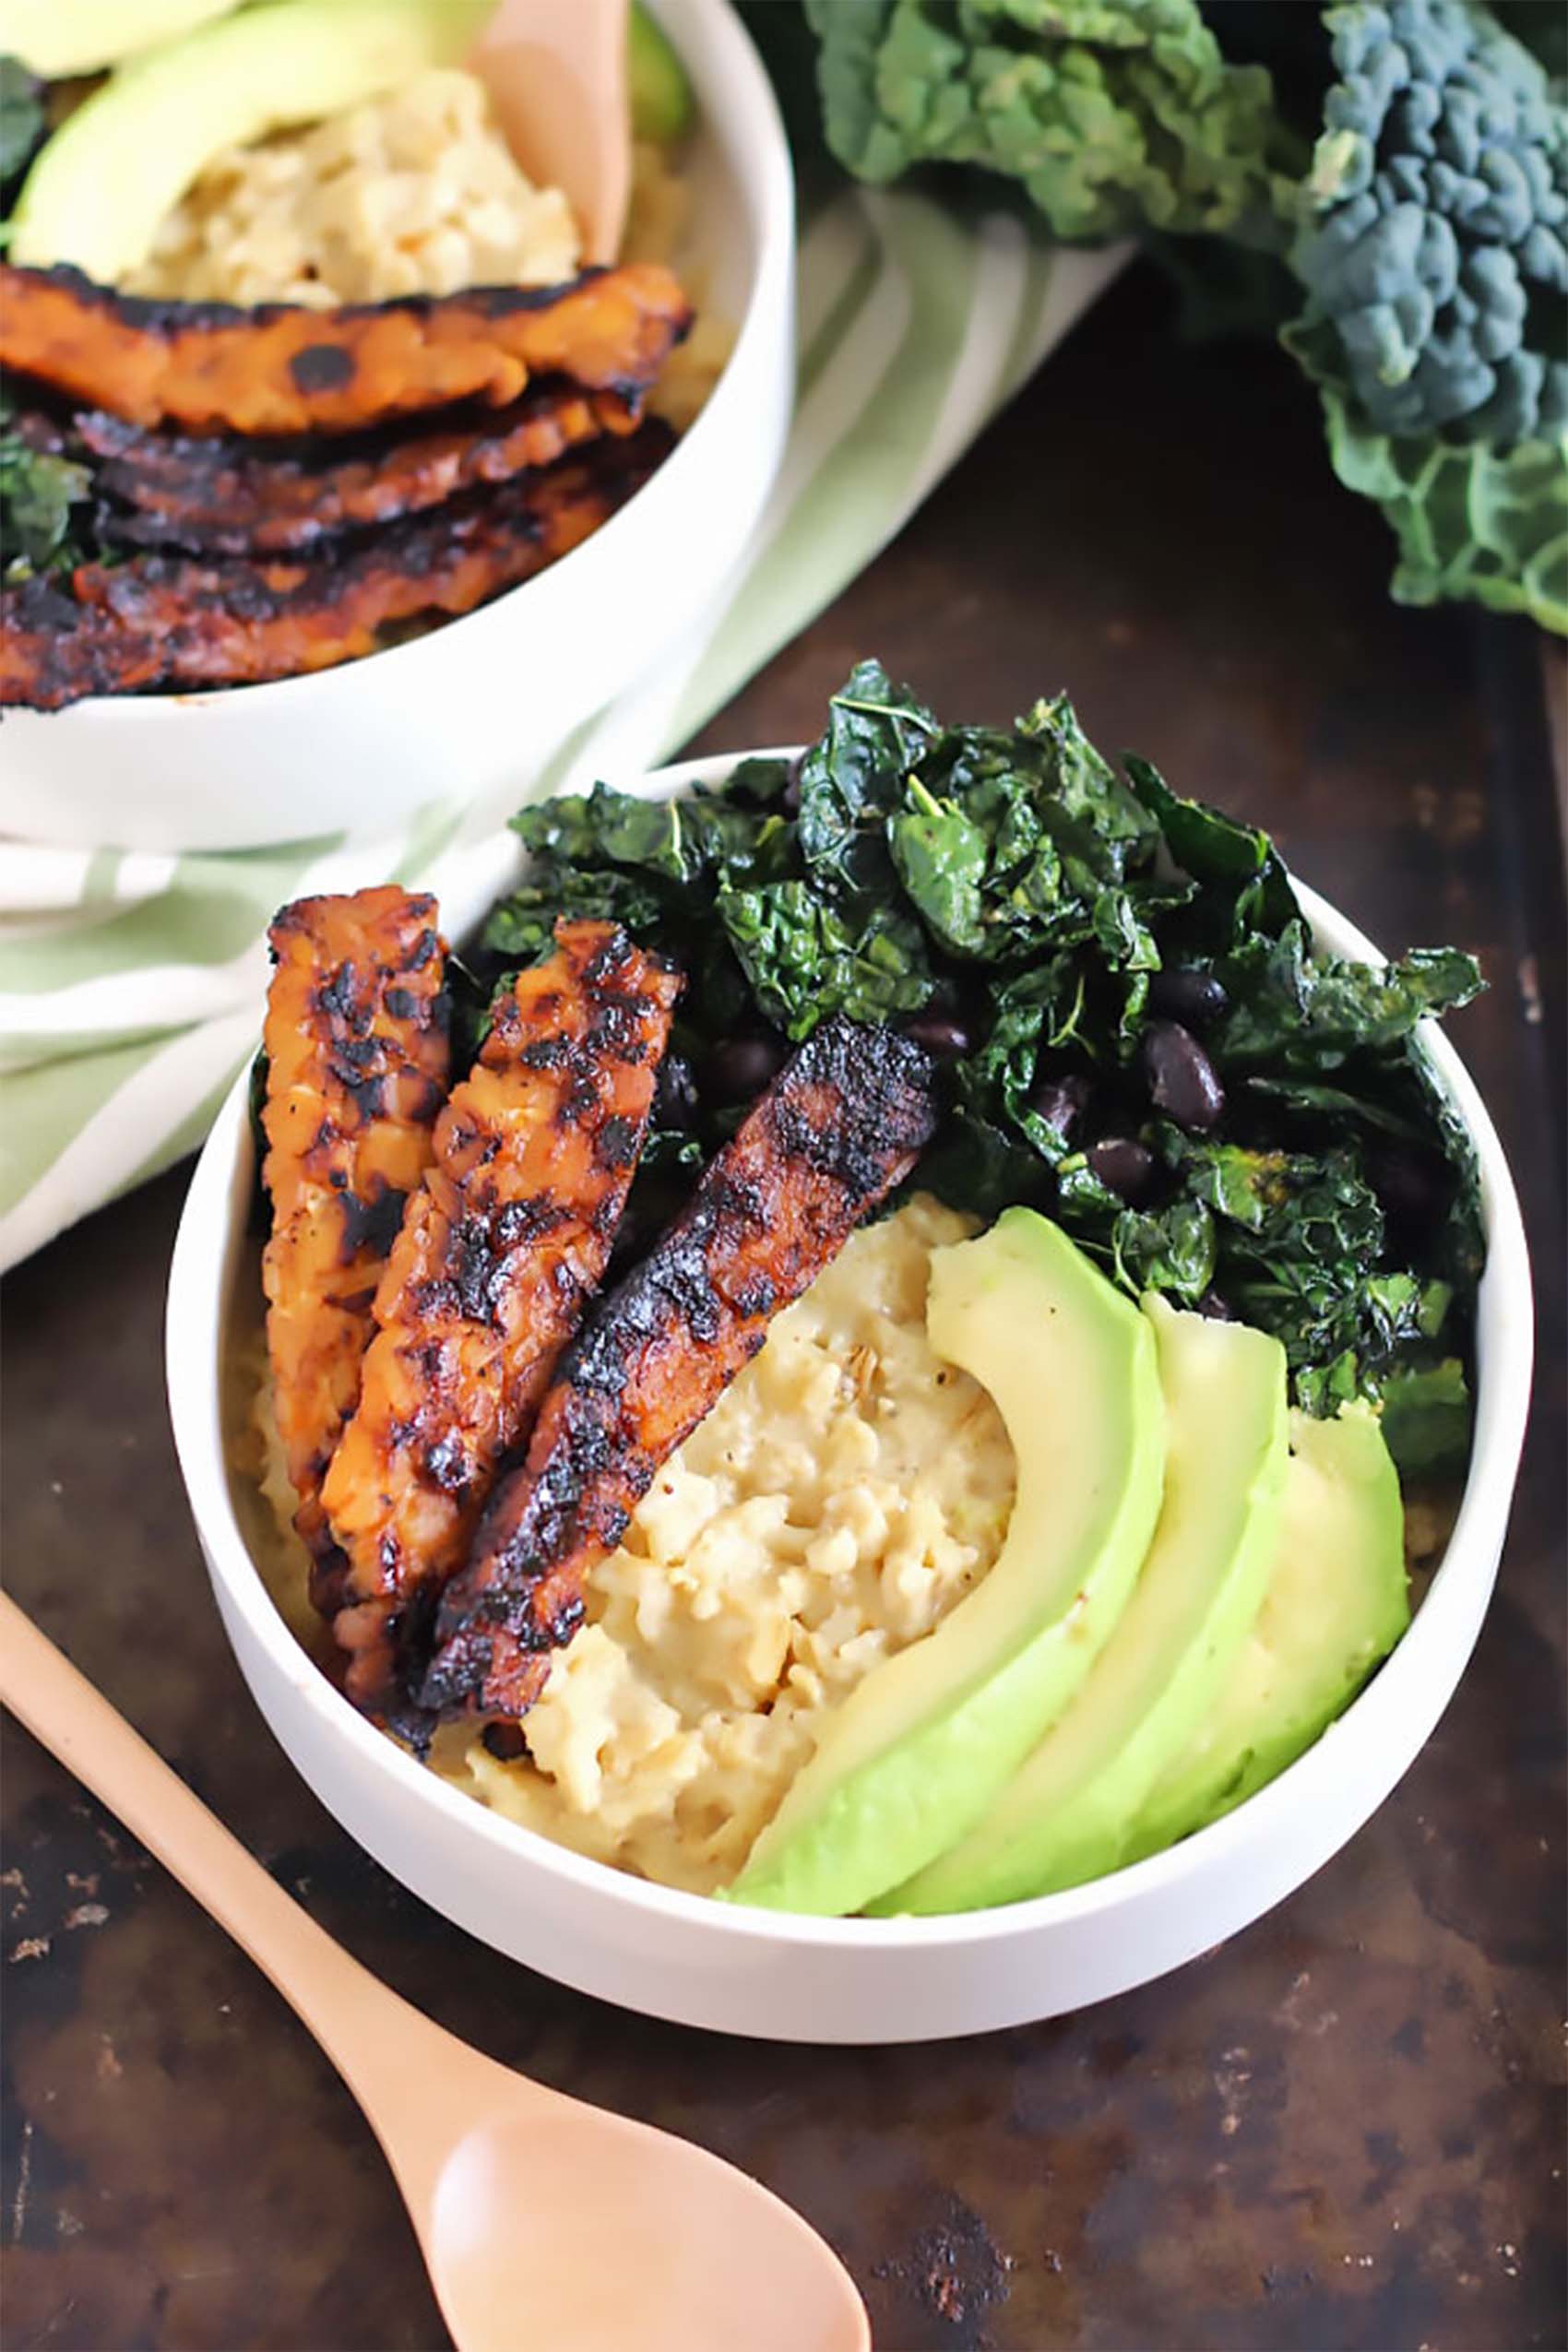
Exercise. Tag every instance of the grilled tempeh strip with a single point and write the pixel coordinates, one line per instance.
(226, 496)
(357, 1062)
(281, 368)
(840, 1126)
(171, 621)
(499, 1250)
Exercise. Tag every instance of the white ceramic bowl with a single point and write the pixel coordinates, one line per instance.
(476, 705)
(838, 1980)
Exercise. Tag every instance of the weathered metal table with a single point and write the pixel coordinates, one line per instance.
(1342, 2129)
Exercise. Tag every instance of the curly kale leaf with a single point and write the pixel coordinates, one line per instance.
(1010, 893)
(1014, 844)
(851, 775)
(42, 496)
(1235, 864)
(521, 929)
(1303, 1012)
(1470, 520)
(806, 958)
(672, 843)
(1114, 114)
(1435, 254)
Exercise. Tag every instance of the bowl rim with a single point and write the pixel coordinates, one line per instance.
(763, 147)
(200, 1280)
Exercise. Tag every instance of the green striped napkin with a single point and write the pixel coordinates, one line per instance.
(131, 985)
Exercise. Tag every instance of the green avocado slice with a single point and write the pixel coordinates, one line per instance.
(103, 182)
(55, 38)
(920, 1750)
(1065, 1814)
(1337, 1601)
(662, 105)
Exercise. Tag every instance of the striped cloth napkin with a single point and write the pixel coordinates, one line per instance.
(131, 985)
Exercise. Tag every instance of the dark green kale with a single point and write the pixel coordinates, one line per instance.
(1138, 1035)
(1299, 1011)
(45, 504)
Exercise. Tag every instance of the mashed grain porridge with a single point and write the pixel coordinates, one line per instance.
(414, 192)
(848, 1491)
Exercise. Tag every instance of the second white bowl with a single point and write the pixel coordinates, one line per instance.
(479, 704)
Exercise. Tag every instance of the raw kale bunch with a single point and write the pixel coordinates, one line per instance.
(1136, 1034)
(1114, 117)
(1436, 254)
(1429, 232)
(1435, 259)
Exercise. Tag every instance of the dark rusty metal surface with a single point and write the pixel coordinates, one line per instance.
(1344, 2129)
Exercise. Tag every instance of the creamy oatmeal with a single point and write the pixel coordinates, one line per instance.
(845, 1494)
(414, 192)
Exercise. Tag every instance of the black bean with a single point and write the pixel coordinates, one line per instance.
(739, 1067)
(1183, 992)
(1123, 1167)
(504, 1741)
(1061, 1101)
(1212, 1305)
(944, 1036)
(675, 1094)
(1409, 1184)
(790, 797)
(1182, 1078)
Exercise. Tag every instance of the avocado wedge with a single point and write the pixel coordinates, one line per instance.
(918, 1753)
(1065, 1815)
(1338, 1600)
(103, 182)
(55, 38)
(662, 106)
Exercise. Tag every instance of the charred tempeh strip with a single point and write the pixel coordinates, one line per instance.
(232, 497)
(280, 368)
(487, 1281)
(168, 620)
(357, 1062)
(840, 1126)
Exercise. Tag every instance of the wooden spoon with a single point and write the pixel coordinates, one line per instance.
(556, 74)
(541, 2220)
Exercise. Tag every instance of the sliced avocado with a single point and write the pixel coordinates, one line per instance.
(1337, 1602)
(55, 38)
(1064, 1814)
(114, 168)
(662, 105)
(920, 1750)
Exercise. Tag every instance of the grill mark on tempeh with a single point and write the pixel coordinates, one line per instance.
(357, 1067)
(499, 1250)
(840, 1125)
(163, 620)
(227, 497)
(279, 367)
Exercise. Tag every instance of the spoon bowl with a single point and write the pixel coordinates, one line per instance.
(612, 2235)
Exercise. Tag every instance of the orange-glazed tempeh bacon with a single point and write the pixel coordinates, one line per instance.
(498, 1252)
(840, 1126)
(225, 496)
(281, 368)
(167, 620)
(357, 1064)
